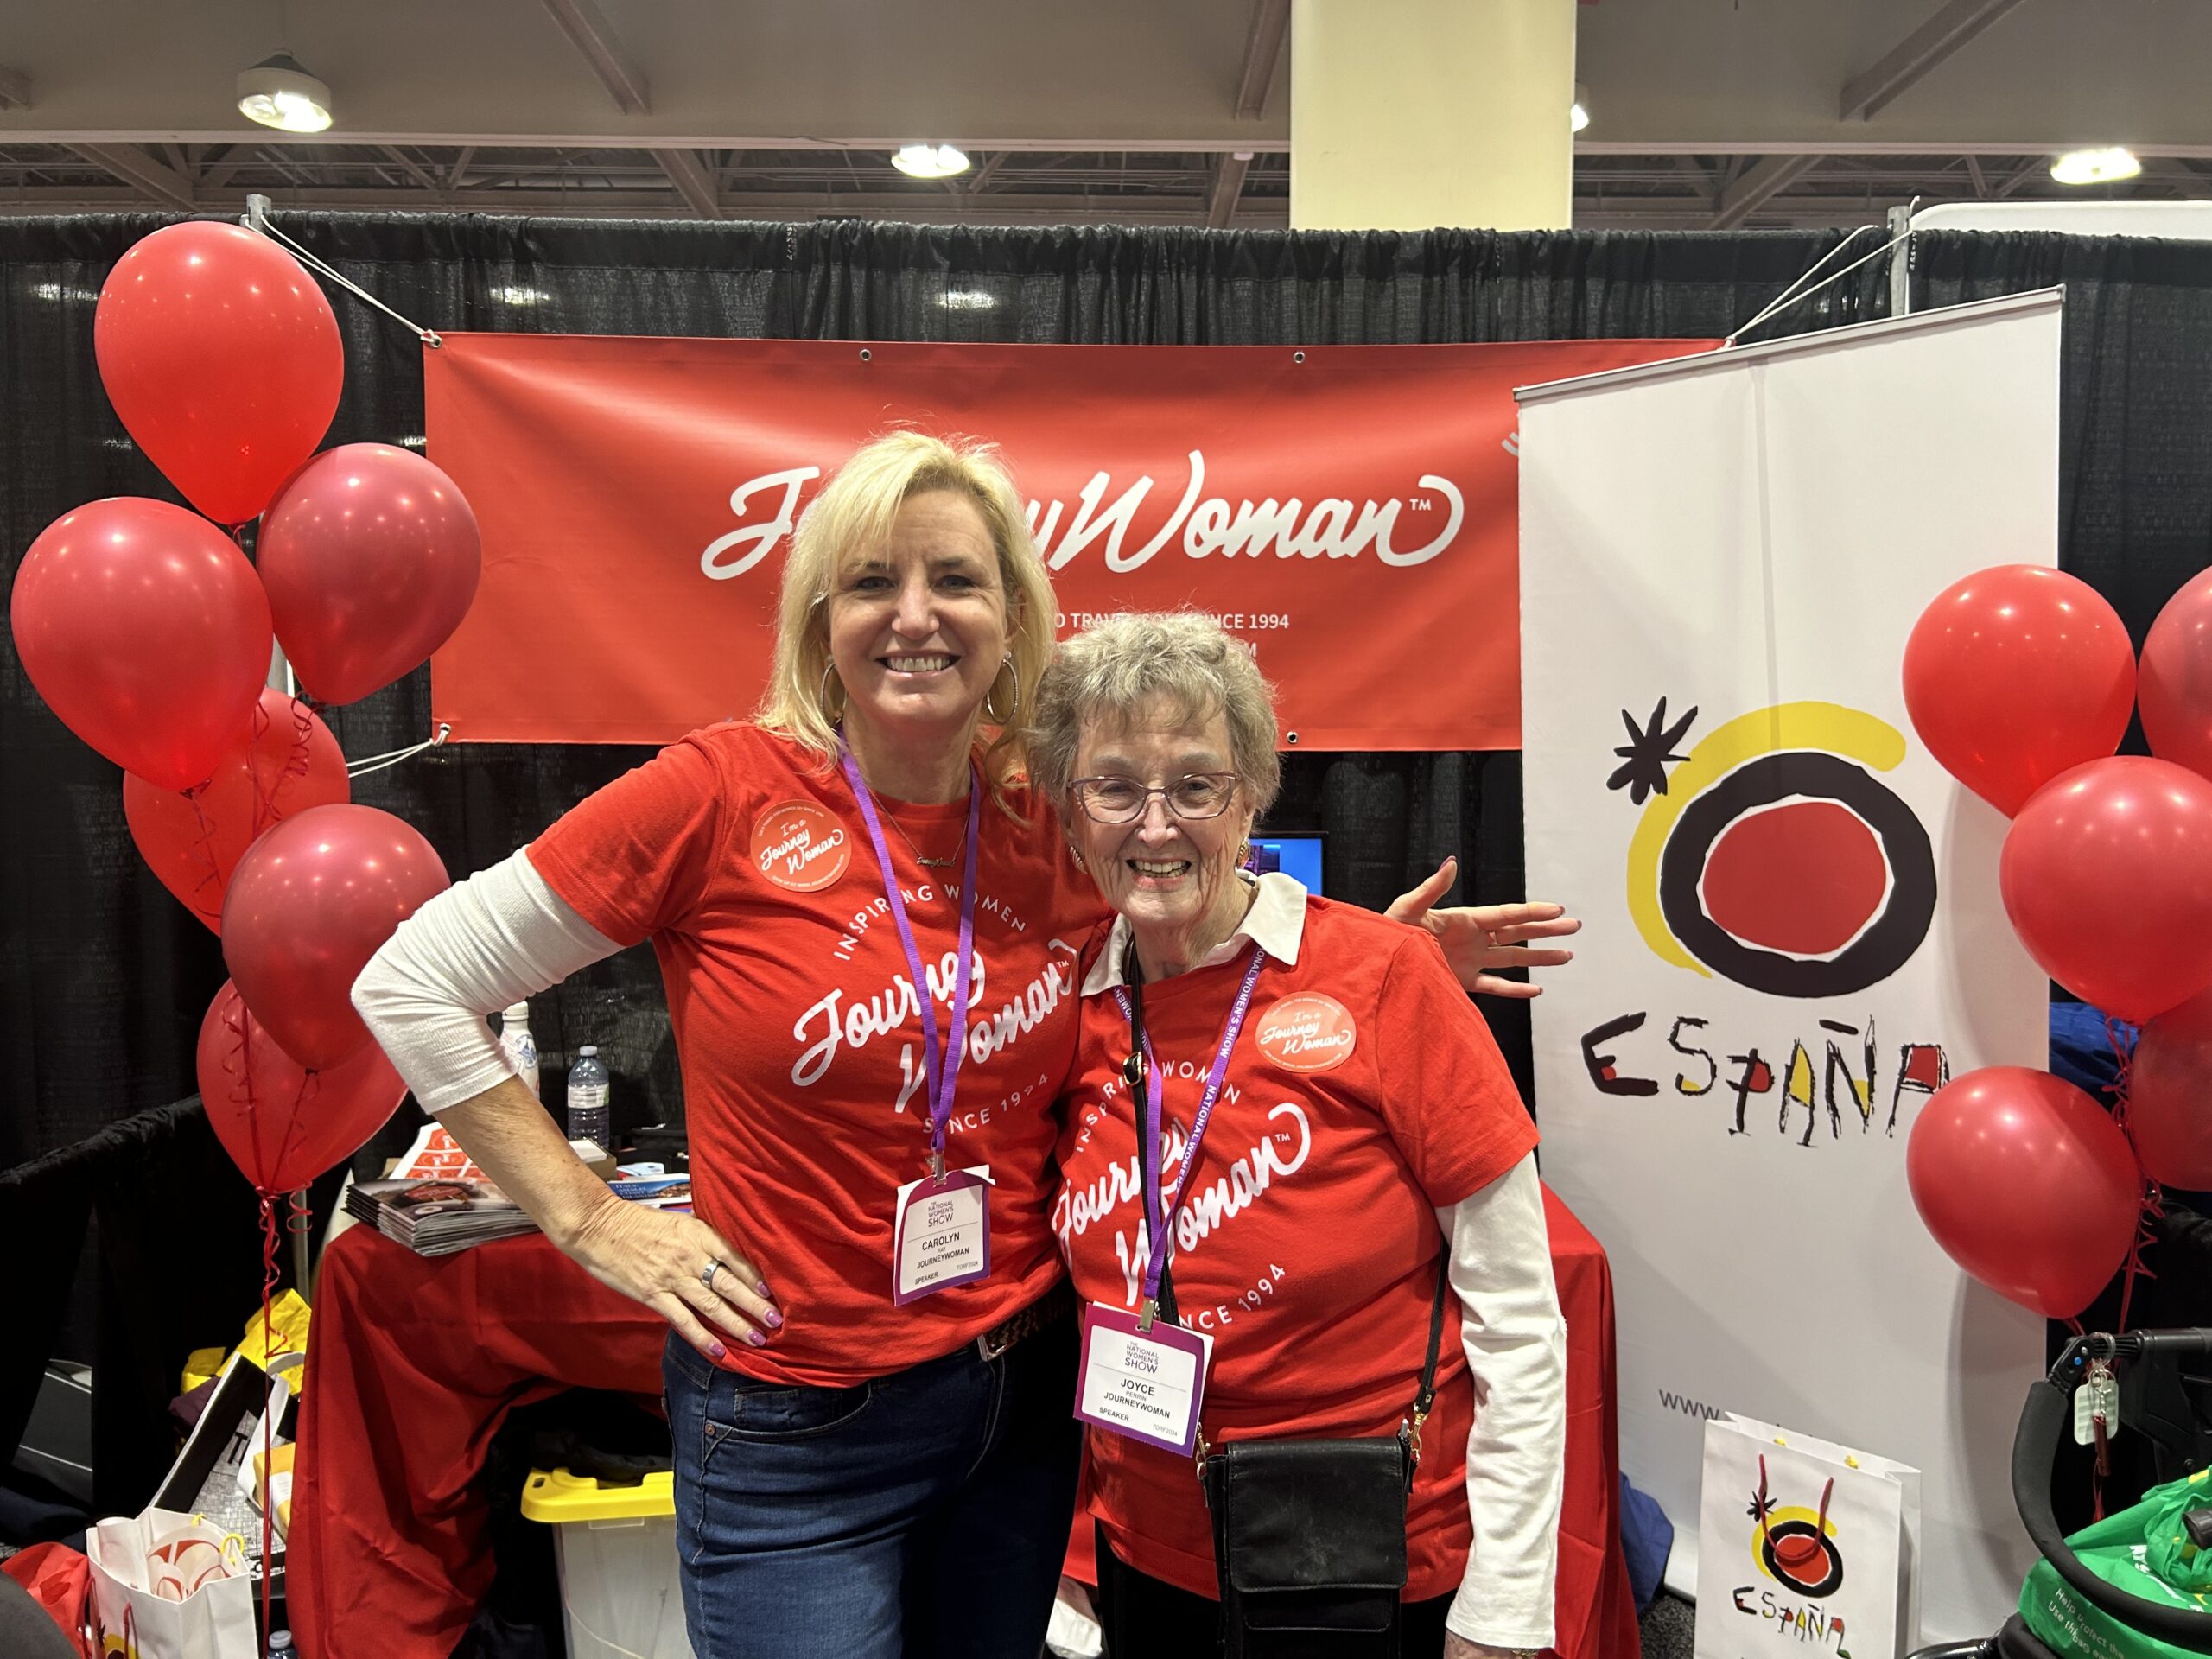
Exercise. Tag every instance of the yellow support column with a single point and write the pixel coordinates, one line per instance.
(1408, 114)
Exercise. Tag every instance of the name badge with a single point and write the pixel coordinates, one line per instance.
(1146, 1384)
(943, 1237)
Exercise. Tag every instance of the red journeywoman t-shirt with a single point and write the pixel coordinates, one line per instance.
(1364, 1094)
(800, 1037)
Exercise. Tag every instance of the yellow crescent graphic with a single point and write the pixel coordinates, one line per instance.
(1852, 733)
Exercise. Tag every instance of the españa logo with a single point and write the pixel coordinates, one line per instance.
(1771, 854)
(1796, 1548)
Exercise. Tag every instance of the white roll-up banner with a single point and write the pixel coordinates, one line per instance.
(1792, 928)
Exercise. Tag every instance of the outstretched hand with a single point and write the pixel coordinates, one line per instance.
(1482, 942)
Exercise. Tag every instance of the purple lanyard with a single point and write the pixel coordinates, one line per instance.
(1148, 1129)
(940, 1062)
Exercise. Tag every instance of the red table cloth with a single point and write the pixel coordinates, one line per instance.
(414, 1363)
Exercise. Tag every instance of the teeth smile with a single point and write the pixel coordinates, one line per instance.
(1146, 867)
(918, 664)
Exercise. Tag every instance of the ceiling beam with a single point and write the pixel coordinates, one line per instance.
(2028, 170)
(692, 180)
(414, 170)
(15, 90)
(1228, 185)
(1954, 24)
(1262, 51)
(991, 164)
(1769, 178)
(133, 165)
(462, 157)
(593, 36)
(1974, 172)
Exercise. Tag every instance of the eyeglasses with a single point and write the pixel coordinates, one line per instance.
(1194, 796)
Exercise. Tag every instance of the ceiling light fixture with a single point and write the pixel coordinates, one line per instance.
(1577, 114)
(930, 161)
(278, 93)
(2095, 166)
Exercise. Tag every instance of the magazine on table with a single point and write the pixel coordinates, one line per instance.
(438, 1217)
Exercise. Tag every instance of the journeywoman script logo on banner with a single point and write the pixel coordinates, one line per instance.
(1351, 511)
(1771, 854)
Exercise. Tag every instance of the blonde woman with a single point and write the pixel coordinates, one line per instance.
(866, 923)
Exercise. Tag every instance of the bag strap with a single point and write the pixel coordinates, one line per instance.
(1425, 1396)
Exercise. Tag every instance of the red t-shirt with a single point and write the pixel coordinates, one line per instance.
(1365, 1093)
(750, 869)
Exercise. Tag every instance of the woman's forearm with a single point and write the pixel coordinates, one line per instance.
(1515, 1344)
(509, 1135)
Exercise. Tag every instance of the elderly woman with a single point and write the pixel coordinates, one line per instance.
(866, 924)
(1306, 1095)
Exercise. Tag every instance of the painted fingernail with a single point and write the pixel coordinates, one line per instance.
(760, 1285)
(774, 1318)
(718, 1352)
(756, 1339)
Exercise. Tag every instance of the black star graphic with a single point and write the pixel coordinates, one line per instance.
(1645, 756)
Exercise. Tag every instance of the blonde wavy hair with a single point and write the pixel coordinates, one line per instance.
(852, 516)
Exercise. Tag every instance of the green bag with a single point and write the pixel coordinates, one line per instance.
(2145, 1551)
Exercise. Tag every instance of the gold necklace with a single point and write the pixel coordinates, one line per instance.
(958, 847)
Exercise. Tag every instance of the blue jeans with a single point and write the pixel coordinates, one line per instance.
(920, 1514)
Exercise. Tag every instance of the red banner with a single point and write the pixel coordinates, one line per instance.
(1350, 510)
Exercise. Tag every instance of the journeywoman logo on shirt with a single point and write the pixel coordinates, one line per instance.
(1307, 1033)
(800, 846)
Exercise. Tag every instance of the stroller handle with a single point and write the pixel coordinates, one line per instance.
(2035, 1449)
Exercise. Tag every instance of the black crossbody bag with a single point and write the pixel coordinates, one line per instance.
(1309, 1535)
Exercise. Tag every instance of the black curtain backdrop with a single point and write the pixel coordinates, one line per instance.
(104, 977)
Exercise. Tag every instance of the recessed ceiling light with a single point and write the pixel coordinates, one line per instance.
(2095, 166)
(930, 161)
(1578, 115)
(278, 93)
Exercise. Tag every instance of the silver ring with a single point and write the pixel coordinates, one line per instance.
(707, 1274)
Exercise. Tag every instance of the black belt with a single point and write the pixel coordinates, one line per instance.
(1054, 1304)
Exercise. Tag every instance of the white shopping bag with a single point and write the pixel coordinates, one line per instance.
(169, 1585)
(1804, 1540)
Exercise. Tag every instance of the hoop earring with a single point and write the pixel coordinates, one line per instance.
(1076, 854)
(993, 714)
(1244, 853)
(822, 699)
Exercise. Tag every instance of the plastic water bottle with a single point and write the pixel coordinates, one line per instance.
(521, 1047)
(587, 1091)
(280, 1645)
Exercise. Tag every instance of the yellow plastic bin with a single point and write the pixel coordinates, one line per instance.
(617, 1549)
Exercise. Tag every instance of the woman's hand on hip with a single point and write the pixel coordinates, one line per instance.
(1483, 941)
(662, 1260)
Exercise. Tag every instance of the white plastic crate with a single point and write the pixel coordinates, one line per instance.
(619, 1590)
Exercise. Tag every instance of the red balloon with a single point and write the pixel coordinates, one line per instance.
(2175, 682)
(2107, 877)
(194, 842)
(223, 359)
(2170, 1096)
(309, 905)
(370, 556)
(2015, 675)
(147, 633)
(282, 1124)
(2027, 1183)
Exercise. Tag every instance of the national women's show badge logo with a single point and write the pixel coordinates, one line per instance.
(1307, 1033)
(800, 847)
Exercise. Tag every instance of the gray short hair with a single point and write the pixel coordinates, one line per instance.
(1117, 665)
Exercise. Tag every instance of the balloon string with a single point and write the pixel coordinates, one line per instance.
(204, 846)
(2149, 1207)
(269, 1239)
